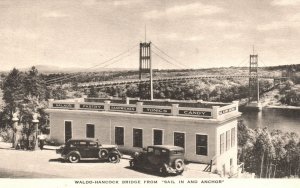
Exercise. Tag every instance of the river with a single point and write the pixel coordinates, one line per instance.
(287, 120)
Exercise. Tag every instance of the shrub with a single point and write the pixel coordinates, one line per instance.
(6, 134)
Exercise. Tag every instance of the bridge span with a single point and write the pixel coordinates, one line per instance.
(169, 79)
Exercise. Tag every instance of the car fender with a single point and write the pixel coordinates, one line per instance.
(115, 152)
(71, 152)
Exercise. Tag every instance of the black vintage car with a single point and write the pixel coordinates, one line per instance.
(76, 149)
(163, 159)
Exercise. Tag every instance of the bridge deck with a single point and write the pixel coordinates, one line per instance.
(134, 81)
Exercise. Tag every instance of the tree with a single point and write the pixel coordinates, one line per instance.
(93, 92)
(13, 91)
(34, 85)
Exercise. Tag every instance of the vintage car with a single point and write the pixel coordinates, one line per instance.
(164, 159)
(76, 149)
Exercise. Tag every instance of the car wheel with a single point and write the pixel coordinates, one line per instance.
(114, 158)
(179, 165)
(132, 164)
(163, 171)
(74, 158)
(103, 153)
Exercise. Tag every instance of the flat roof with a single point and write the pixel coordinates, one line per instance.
(158, 107)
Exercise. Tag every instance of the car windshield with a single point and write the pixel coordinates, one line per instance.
(177, 152)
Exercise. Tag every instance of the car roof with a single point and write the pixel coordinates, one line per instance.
(168, 147)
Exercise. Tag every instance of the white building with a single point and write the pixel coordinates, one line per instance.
(207, 131)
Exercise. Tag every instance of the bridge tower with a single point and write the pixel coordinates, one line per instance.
(253, 79)
(145, 63)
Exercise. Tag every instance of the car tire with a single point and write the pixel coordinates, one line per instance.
(114, 158)
(179, 166)
(103, 153)
(163, 171)
(74, 158)
(132, 164)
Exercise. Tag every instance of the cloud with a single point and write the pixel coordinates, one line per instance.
(18, 34)
(176, 37)
(54, 14)
(232, 35)
(289, 21)
(285, 2)
(125, 2)
(195, 9)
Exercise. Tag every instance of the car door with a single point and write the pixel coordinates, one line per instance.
(83, 149)
(93, 150)
(154, 157)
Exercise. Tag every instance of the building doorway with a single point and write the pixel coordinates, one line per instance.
(68, 130)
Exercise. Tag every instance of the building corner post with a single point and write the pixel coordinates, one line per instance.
(215, 110)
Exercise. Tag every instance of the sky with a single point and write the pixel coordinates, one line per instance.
(195, 33)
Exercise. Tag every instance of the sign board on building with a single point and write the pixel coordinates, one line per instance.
(195, 113)
(91, 106)
(123, 108)
(157, 110)
(227, 110)
(61, 105)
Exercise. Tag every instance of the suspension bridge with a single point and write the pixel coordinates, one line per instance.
(146, 68)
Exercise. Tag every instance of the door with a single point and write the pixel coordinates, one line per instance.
(68, 130)
(179, 139)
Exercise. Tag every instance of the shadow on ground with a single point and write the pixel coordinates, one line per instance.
(61, 160)
(149, 172)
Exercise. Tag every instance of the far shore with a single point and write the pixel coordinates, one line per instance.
(283, 107)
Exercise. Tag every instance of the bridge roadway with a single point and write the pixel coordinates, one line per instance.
(165, 79)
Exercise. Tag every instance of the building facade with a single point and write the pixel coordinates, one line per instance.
(207, 131)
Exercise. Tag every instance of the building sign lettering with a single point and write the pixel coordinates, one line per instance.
(123, 108)
(227, 110)
(60, 105)
(194, 113)
(92, 106)
(157, 110)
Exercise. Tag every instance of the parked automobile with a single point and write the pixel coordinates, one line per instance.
(163, 159)
(76, 149)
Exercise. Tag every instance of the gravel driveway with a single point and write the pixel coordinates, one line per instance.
(47, 164)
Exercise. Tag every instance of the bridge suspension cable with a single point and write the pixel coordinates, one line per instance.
(60, 79)
(178, 62)
(164, 59)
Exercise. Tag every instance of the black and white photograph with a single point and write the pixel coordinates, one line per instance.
(149, 93)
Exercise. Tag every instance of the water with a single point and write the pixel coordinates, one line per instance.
(287, 120)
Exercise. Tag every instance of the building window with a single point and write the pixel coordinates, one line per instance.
(138, 138)
(222, 143)
(157, 137)
(68, 130)
(179, 139)
(233, 137)
(227, 140)
(119, 135)
(90, 131)
(201, 144)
